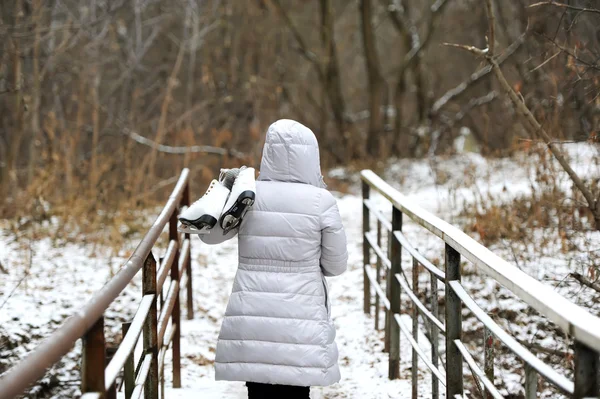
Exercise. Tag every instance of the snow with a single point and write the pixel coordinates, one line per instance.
(47, 281)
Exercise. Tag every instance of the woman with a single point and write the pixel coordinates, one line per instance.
(277, 334)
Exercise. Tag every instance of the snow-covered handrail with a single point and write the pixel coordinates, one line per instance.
(98, 377)
(574, 320)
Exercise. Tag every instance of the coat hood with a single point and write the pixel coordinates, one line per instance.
(291, 154)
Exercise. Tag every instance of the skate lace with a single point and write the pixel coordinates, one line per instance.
(212, 184)
(224, 171)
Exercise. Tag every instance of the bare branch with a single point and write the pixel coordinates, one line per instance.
(585, 281)
(570, 7)
(592, 65)
(309, 55)
(491, 27)
(436, 10)
(546, 61)
(472, 49)
(537, 129)
(180, 149)
(2, 268)
(475, 77)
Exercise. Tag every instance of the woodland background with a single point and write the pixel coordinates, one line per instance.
(108, 99)
(102, 102)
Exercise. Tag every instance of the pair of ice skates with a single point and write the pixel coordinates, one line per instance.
(226, 202)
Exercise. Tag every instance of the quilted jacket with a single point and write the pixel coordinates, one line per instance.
(277, 327)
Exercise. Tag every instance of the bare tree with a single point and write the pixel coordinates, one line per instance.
(327, 68)
(376, 81)
(412, 61)
(532, 124)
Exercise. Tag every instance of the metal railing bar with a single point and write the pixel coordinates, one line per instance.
(167, 309)
(420, 305)
(127, 346)
(434, 333)
(378, 214)
(542, 368)
(378, 264)
(137, 392)
(417, 255)
(579, 323)
(169, 337)
(140, 379)
(33, 367)
(415, 330)
(161, 361)
(183, 281)
(165, 347)
(165, 265)
(378, 250)
(184, 257)
(378, 290)
(491, 388)
(438, 374)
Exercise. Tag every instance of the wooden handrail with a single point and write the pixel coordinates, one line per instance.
(572, 319)
(33, 367)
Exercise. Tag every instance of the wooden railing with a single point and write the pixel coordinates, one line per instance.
(580, 325)
(156, 321)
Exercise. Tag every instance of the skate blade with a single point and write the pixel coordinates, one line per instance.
(189, 229)
(235, 215)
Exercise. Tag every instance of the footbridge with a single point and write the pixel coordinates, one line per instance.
(407, 297)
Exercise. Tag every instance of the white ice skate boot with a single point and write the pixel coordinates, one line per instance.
(240, 200)
(203, 214)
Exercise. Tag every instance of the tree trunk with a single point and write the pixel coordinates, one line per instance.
(398, 141)
(332, 78)
(421, 90)
(376, 83)
(36, 94)
(191, 73)
(164, 109)
(95, 130)
(17, 133)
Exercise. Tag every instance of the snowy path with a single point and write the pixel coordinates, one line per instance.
(363, 364)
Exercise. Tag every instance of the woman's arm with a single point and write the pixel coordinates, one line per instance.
(334, 251)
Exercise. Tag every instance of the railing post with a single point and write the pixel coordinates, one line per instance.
(488, 358)
(129, 369)
(388, 287)
(454, 361)
(94, 359)
(150, 327)
(377, 275)
(176, 315)
(586, 371)
(415, 330)
(435, 384)
(111, 392)
(396, 259)
(366, 251)
(531, 381)
(189, 291)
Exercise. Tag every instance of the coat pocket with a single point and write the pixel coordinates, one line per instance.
(326, 291)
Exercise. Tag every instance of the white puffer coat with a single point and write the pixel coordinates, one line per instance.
(277, 327)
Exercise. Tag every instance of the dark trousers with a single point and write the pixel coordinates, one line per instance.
(268, 391)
